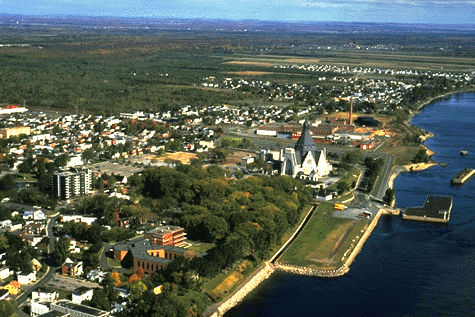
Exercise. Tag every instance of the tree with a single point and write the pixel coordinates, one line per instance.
(7, 308)
(61, 250)
(136, 290)
(116, 277)
(88, 155)
(100, 300)
(421, 157)
(352, 156)
(61, 160)
(7, 182)
(389, 196)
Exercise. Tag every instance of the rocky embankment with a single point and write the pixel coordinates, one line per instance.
(302, 270)
(258, 278)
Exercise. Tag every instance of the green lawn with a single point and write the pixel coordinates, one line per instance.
(403, 154)
(200, 247)
(349, 177)
(315, 245)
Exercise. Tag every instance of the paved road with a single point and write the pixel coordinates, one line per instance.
(26, 292)
(380, 187)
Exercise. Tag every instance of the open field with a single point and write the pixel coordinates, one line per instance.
(365, 59)
(323, 240)
(250, 62)
(251, 73)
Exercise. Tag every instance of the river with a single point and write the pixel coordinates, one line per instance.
(405, 268)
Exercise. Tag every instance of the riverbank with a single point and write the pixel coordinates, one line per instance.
(434, 99)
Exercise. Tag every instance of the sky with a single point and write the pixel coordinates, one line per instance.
(397, 11)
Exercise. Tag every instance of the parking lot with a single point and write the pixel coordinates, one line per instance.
(70, 284)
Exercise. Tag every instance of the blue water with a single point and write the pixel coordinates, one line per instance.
(405, 268)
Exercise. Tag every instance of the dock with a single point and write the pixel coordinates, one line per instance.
(463, 176)
(435, 209)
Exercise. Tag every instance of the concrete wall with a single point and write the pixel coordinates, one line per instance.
(424, 219)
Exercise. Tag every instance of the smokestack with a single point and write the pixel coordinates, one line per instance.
(350, 119)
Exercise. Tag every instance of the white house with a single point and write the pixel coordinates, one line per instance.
(39, 308)
(40, 296)
(81, 294)
(25, 279)
(78, 218)
(5, 272)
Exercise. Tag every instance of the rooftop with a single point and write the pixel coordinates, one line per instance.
(81, 308)
(139, 250)
(54, 313)
(434, 207)
(165, 229)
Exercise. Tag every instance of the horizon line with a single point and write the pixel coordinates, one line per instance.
(226, 20)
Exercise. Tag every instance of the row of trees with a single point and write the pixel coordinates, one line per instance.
(374, 169)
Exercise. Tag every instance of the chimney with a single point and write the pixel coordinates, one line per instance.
(350, 119)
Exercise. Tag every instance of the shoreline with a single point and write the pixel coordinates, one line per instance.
(416, 167)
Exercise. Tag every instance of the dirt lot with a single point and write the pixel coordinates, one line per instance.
(234, 158)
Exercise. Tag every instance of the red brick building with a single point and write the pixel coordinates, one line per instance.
(148, 256)
(167, 235)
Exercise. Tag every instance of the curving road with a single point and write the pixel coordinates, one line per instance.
(50, 272)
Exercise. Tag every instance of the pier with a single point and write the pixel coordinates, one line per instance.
(435, 209)
(463, 176)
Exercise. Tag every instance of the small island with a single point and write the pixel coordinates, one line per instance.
(463, 176)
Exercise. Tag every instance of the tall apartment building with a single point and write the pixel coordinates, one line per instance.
(74, 182)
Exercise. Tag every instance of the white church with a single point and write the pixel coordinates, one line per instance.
(305, 161)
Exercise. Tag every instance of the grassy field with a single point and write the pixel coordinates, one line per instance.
(225, 282)
(364, 59)
(323, 240)
(200, 247)
(350, 177)
(402, 154)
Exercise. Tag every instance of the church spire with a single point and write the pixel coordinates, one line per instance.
(305, 142)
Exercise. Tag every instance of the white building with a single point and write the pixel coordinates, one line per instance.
(81, 294)
(305, 161)
(39, 308)
(5, 272)
(71, 183)
(79, 218)
(40, 296)
(25, 279)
